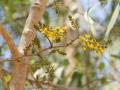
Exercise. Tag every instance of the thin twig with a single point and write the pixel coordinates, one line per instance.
(51, 44)
(38, 53)
(61, 46)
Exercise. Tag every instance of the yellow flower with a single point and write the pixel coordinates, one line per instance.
(50, 34)
(101, 49)
(91, 43)
(61, 29)
(91, 46)
(83, 38)
(53, 33)
(87, 36)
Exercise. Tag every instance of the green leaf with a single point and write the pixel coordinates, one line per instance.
(31, 62)
(76, 79)
(53, 51)
(116, 56)
(61, 52)
(112, 21)
(104, 80)
(101, 66)
(46, 18)
(7, 78)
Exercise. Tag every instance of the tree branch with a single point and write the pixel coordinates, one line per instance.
(9, 41)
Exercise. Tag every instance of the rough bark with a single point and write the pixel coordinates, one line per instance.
(19, 70)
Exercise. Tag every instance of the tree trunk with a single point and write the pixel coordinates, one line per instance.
(19, 69)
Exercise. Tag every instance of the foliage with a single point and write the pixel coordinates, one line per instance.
(90, 43)
(52, 33)
(65, 54)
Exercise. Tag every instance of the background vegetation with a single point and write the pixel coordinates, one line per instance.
(68, 61)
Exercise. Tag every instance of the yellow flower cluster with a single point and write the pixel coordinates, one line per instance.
(53, 33)
(90, 43)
